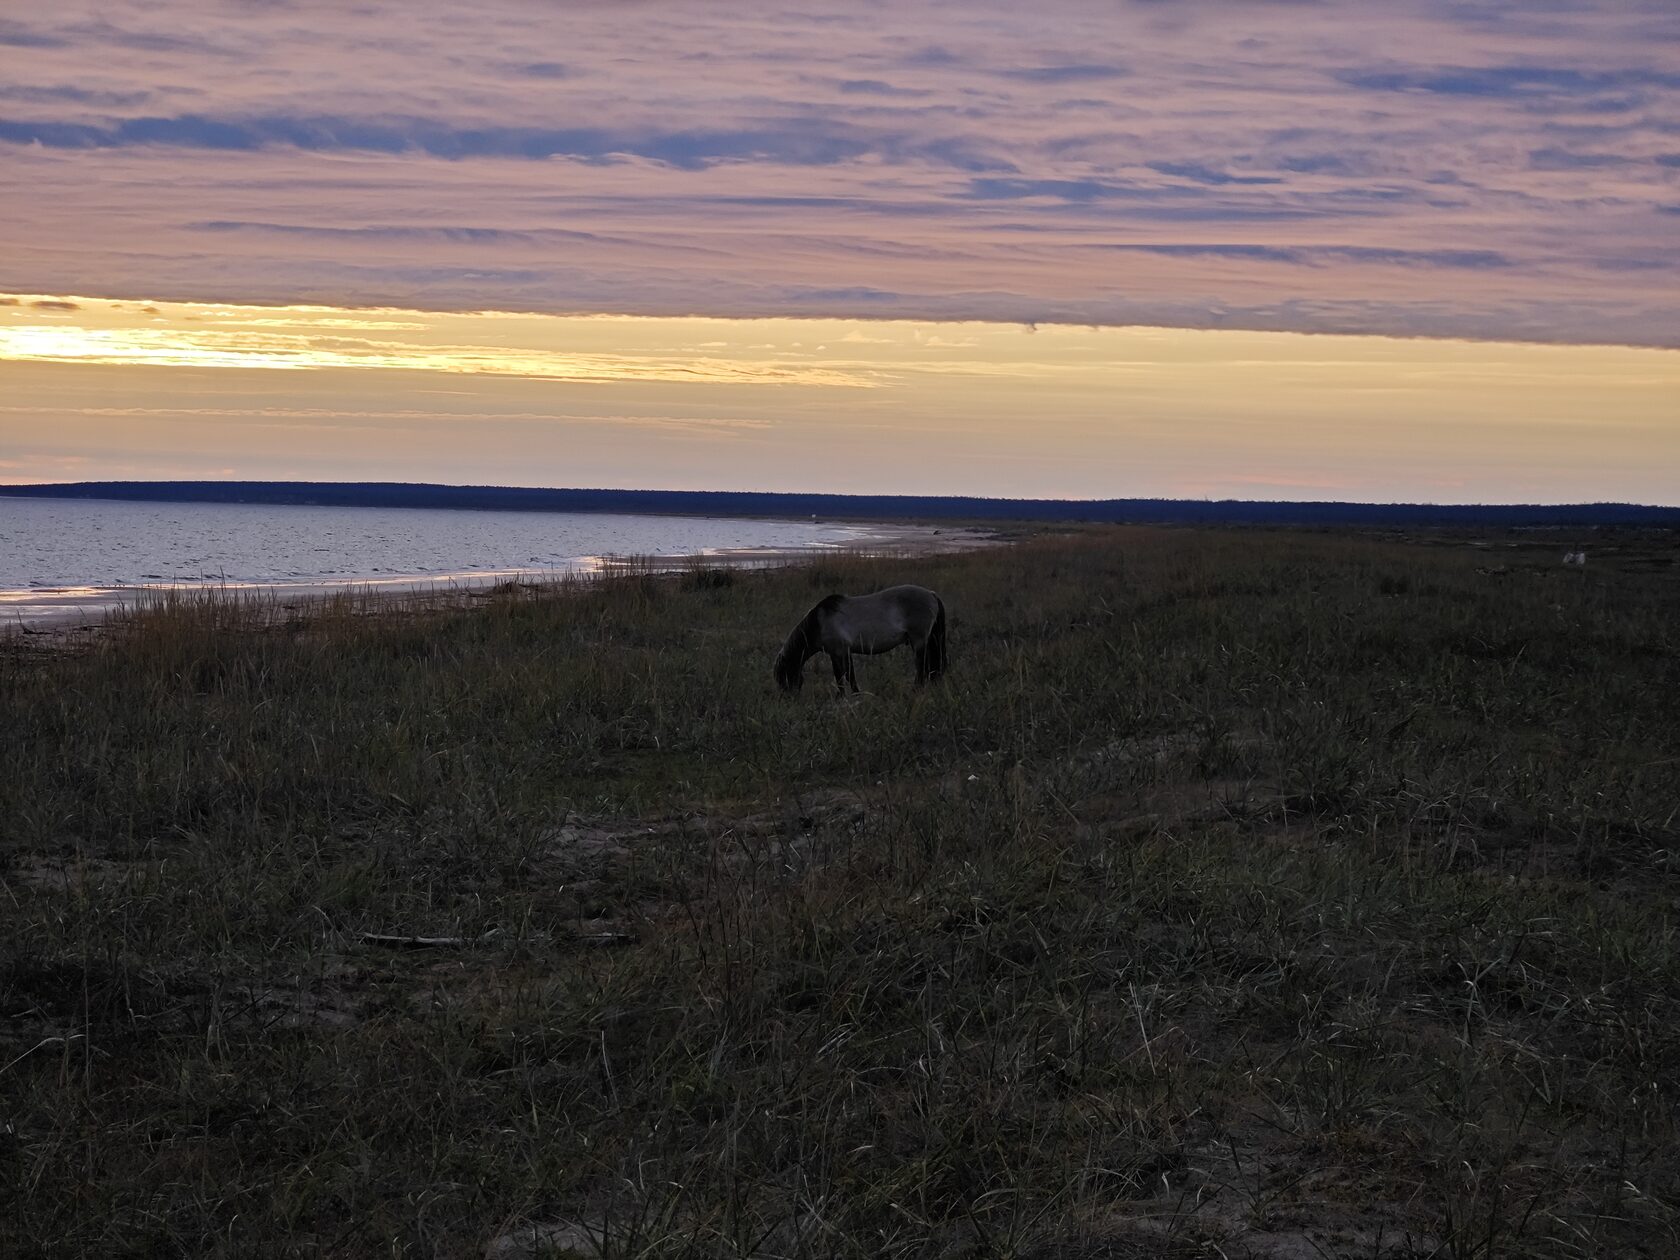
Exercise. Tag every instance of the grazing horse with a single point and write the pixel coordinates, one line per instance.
(844, 625)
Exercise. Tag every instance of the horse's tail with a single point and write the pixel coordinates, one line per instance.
(936, 641)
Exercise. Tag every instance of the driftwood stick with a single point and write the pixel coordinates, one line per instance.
(413, 942)
(389, 941)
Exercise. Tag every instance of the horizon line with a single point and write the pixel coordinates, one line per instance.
(11, 489)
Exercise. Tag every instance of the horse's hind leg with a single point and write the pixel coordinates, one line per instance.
(921, 665)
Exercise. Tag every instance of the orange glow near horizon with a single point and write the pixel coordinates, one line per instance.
(102, 389)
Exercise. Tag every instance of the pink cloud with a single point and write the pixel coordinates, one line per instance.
(1418, 168)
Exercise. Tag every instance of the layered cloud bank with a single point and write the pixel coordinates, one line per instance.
(1429, 168)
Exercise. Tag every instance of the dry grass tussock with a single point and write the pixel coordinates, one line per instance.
(1236, 895)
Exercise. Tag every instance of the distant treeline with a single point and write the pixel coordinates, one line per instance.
(869, 506)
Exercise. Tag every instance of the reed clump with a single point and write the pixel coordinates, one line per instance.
(1236, 893)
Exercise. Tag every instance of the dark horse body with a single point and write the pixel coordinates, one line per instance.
(844, 625)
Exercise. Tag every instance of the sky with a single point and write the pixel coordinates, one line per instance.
(1370, 249)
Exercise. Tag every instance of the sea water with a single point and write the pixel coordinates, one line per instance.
(52, 550)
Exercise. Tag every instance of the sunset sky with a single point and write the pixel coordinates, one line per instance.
(1370, 249)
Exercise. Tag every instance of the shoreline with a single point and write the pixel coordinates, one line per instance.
(55, 612)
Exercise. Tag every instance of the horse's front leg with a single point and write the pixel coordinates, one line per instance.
(842, 662)
(851, 672)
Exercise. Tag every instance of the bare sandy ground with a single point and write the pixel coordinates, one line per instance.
(85, 609)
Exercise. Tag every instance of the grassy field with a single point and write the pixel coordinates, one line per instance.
(1236, 894)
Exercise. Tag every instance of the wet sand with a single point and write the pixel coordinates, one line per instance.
(80, 610)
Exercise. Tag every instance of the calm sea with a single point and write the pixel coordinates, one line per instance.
(60, 552)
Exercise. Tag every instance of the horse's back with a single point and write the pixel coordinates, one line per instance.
(886, 618)
(906, 599)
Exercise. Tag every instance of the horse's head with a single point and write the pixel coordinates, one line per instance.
(802, 644)
(789, 669)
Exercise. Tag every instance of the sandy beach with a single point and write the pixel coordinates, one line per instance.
(85, 609)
